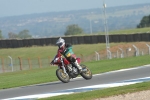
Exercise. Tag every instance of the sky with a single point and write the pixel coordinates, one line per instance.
(21, 7)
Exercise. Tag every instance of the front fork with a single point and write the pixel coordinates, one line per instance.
(63, 65)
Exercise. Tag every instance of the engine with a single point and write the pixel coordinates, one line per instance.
(73, 72)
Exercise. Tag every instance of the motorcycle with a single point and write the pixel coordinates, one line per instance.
(67, 70)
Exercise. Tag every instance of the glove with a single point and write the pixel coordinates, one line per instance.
(52, 63)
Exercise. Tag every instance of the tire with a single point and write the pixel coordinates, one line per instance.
(62, 76)
(87, 74)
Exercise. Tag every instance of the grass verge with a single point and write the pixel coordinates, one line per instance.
(129, 31)
(103, 93)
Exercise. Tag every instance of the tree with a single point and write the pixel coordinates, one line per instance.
(12, 35)
(24, 34)
(73, 30)
(1, 36)
(145, 22)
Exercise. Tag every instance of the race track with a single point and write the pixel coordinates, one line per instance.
(104, 78)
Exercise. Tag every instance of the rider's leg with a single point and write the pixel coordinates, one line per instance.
(78, 66)
(73, 59)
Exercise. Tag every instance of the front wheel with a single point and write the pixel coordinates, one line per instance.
(86, 73)
(64, 77)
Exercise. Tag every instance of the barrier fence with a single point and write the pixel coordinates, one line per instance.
(22, 64)
(15, 43)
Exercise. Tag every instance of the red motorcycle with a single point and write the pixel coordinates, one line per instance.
(67, 70)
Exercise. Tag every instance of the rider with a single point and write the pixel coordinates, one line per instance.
(66, 50)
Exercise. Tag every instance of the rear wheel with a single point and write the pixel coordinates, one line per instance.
(64, 77)
(86, 73)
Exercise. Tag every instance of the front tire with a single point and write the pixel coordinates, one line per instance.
(64, 77)
(86, 74)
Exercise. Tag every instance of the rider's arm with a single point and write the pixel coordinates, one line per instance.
(59, 53)
(56, 57)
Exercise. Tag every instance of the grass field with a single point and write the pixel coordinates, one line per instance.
(48, 51)
(129, 31)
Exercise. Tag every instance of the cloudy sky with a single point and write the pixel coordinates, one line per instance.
(21, 7)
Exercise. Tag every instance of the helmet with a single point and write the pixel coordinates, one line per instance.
(60, 42)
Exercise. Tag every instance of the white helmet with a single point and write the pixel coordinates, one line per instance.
(60, 42)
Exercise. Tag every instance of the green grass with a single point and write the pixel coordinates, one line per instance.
(48, 51)
(42, 75)
(29, 52)
(28, 77)
(116, 64)
(103, 93)
(129, 31)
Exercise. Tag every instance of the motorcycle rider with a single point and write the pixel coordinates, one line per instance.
(66, 50)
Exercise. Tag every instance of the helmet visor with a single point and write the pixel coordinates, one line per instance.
(59, 44)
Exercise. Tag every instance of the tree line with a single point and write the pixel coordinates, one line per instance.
(24, 34)
(145, 22)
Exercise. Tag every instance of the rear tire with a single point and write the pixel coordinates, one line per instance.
(87, 74)
(64, 77)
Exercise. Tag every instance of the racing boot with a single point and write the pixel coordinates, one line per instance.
(78, 66)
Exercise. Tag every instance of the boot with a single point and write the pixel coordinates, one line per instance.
(78, 66)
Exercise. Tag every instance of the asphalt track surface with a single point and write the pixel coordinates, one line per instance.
(104, 78)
